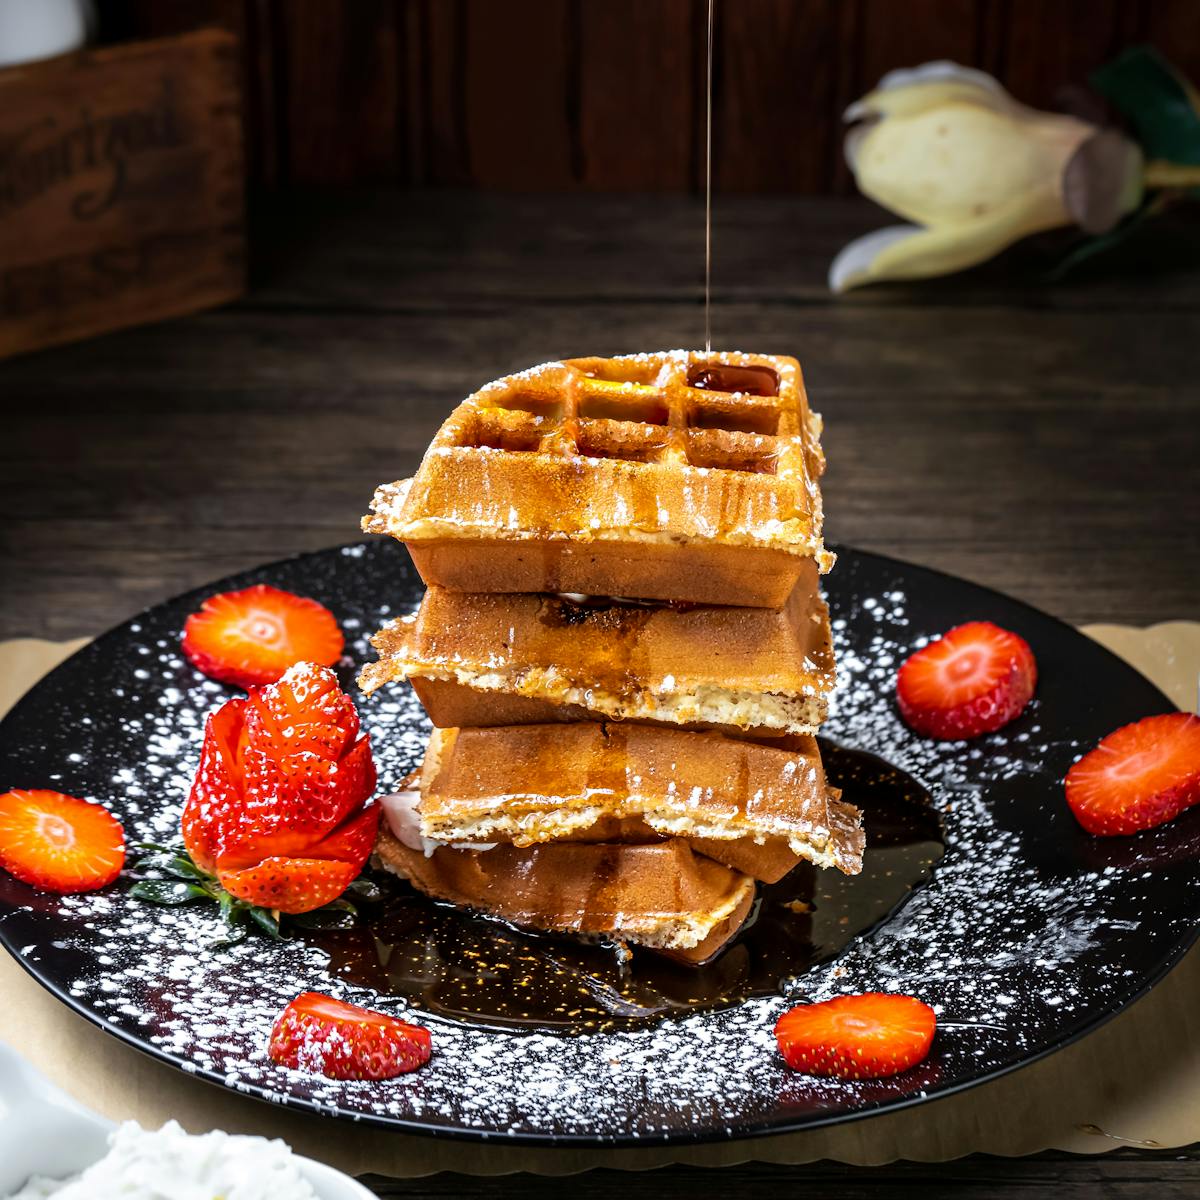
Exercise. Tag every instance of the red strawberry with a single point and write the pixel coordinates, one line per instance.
(302, 770)
(972, 680)
(1139, 776)
(58, 843)
(300, 884)
(352, 841)
(276, 809)
(250, 638)
(329, 1037)
(217, 789)
(291, 885)
(857, 1037)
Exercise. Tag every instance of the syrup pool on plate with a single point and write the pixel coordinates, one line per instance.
(451, 963)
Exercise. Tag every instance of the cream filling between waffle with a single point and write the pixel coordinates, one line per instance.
(677, 704)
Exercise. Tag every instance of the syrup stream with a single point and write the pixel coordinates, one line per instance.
(708, 192)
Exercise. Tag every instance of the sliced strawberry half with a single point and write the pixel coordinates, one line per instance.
(329, 1037)
(290, 885)
(972, 680)
(311, 877)
(869, 1036)
(1139, 776)
(250, 638)
(59, 843)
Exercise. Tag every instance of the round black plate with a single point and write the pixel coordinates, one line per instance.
(1030, 934)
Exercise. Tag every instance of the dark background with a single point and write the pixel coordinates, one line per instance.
(608, 95)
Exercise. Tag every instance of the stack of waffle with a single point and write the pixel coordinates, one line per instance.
(622, 648)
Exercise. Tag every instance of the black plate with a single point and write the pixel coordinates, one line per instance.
(1030, 933)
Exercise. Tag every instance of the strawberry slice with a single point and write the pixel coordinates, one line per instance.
(972, 680)
(869, 1036)
(290, 885)
(352, 841)
(59, 843)
(300, 884)
(250, 638)
(329, 1037)
(1139, 776)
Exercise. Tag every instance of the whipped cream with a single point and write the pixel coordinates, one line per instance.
(170, 1164)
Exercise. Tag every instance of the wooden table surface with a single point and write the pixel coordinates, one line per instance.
(1040, 439)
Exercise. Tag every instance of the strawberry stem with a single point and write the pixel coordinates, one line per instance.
(185, 882)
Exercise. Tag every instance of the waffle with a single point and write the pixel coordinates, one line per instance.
(671, 476)
(518, 659)
(529, 784)
(661, 895)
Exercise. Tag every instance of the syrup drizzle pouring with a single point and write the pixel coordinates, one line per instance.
(708, 191)
(452, 963)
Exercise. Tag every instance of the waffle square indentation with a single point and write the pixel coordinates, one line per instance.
(628, 440)
(729, 451)
(720, 377)
(642, 405)
(732, 414)
(502, 429)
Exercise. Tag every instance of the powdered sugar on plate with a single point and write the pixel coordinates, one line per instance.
(1028, 933)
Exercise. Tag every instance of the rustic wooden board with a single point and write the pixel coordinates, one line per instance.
(121, 188)
(607, 94)
(1168, 1175)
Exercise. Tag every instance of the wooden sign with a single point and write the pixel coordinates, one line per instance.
(121, 188)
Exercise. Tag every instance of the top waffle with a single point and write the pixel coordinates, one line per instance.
(671, 476)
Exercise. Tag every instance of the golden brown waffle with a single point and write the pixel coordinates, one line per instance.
(477, 659)
(660, 895)
(673, 476)
(528, 784)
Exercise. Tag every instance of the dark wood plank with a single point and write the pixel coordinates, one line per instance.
(637, 68)
(340, 70)
(445, 150)
(566, 94)
(354, 252)
(517, 76)
(1175, 29)
(775, 71)
(1050, 46)
(905, 35)
(1126, 1176)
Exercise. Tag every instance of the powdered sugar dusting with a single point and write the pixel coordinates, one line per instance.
(1027, 931)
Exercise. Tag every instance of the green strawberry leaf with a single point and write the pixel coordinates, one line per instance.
(168, 892)
(366, 889)
(188, 882)
(231, 909)
(326, 917)
(266, 921)
(232, 936)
